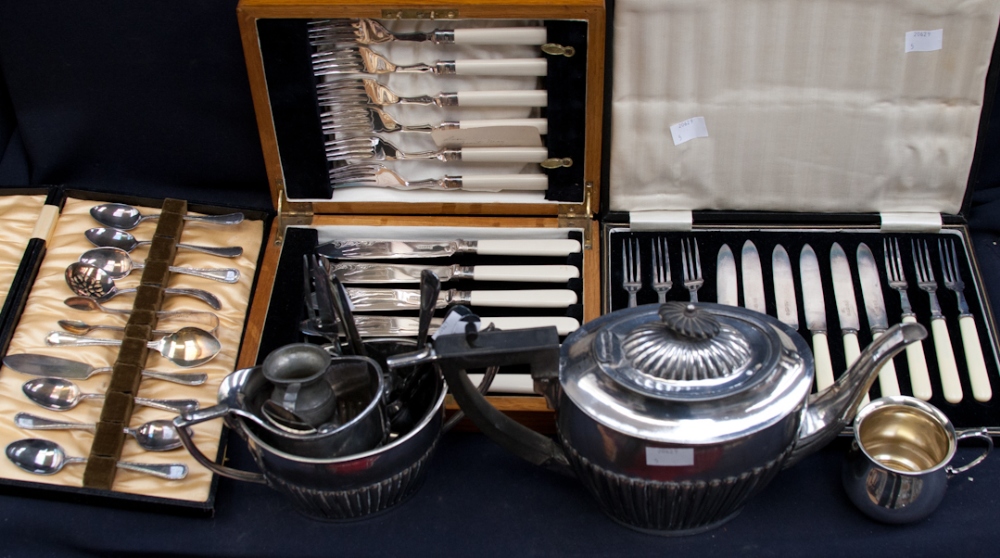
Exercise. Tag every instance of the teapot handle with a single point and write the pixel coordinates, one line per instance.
(539, 348)
(194, 417)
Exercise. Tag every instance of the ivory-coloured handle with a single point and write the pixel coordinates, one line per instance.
(502, 67)
(824, 368)
(508, 383)
(563, 324)
(950, 383)
(554, 247)
(974, 360)
(887, 382)
(514, 98)
(504, 155)
(920, 380)
(502, 36)
(852, 350)
(542, 124)
(542, 273)
(498, 182)
(528, 298)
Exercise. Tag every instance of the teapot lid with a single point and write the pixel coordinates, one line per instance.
(724, 370)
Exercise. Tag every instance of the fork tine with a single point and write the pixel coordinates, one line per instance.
(637, 261)
(957, 276)
(917, 264)
(697, 260)
(666, 259)
(927, 261)
(945, 262)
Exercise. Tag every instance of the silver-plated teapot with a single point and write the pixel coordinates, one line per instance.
(672, 416)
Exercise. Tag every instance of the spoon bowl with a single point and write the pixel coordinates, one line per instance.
(155, 435)
(126, 217)
(42, 457)
(124, 240)
(117, 264)
(88, 281)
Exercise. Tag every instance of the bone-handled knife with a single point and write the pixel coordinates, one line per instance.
(753, 279)
(847, 305)
(393, 249)
(404, 326)
(375, 300)
(784, 288)
(364, 272)
(725, 277)
(871, 292)
(815, 310)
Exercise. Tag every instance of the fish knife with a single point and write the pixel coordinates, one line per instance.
(784, 288)
(753, 279)
(815, 310)
(375, 300)
(725, 277)
(365, 272)
(871, 292)
(392, 249)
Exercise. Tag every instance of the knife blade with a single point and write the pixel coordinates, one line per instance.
(784, 287)
(375, 300)
(394, 249)
(871, 292)
(725, 277)
(364, 272)
(814, 305)
(44, 365)
(404, 326)
(847, 302)
(753, 279)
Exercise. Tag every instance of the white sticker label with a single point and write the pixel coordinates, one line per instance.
(670, 457)
(924, 41)
(689, 129)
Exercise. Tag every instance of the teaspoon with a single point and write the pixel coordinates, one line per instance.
(117, 263)
(155, 435)
(57, 394)
(43, 457)
(55, 367)
(186, 347)
(87, 280)
(115, 238)
(88, 304)
(126, 217)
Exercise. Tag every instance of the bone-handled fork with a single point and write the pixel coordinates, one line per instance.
(974, 360)
(374, 147)
(920, 381)
(363, 91)
(366, 31)
(951, 385)
(378, 175)
(661, 269)
(363, 60)
(631, 269)
(691, 266)
(366, 118)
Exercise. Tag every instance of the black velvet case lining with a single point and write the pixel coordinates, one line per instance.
(126, 374)
(967, 413)
(291, 89)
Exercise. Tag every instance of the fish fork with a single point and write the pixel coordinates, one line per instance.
(363, 60)
(974, 360)
(691, 266)
(374, 174)
(950, 383)
(361, 119)
(366, 31)
(661, 269)
(631, 270)
(374, 147)
(920, 381)
(340, 92)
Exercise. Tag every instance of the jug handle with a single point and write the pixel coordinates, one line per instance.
(202, 415)
(982, 434)
(537, 347)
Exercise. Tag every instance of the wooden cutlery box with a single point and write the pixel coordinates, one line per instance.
(780, 156)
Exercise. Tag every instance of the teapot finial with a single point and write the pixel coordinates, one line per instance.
(686, 320)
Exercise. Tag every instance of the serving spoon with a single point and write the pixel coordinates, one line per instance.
(117, 264)
(89, 281)
(186, 347)
(126, 217)
(116, 238)
(155, 435)
(89, 304)
(57, 394)
(43, 457)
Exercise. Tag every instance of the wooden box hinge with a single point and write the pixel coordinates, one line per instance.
(579, 216)
(290, 213)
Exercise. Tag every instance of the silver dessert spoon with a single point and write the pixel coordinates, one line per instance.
(116, 238)
(55, 367)
(155, 435)
(43, 457)
(126, 217)
(89, 304)
(57, 394)
(90, 281)
(186, 347)
(117, 264)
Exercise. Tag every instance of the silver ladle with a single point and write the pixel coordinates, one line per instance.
(116, 238)
(42, 457)
(87, 280)
(126, 217)
(155, 435)
(186, 347)
(89, 304)
(57, 394)
(117, 264)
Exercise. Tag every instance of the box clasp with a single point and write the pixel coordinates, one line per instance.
(578, 216)
(290, 213)
(669, 220)
(911, 222)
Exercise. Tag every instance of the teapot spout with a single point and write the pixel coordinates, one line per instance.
(827, 413)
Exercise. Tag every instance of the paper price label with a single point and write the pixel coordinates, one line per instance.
(924, 41)
(688, 130)
(670, 457)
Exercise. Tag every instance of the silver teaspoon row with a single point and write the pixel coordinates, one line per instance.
(155, 435)
(126, 217)
(90, 304)
(116, 238)
(186, 347)
(89, 281)
(57, 394)
(42, 457)
(118, 264)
